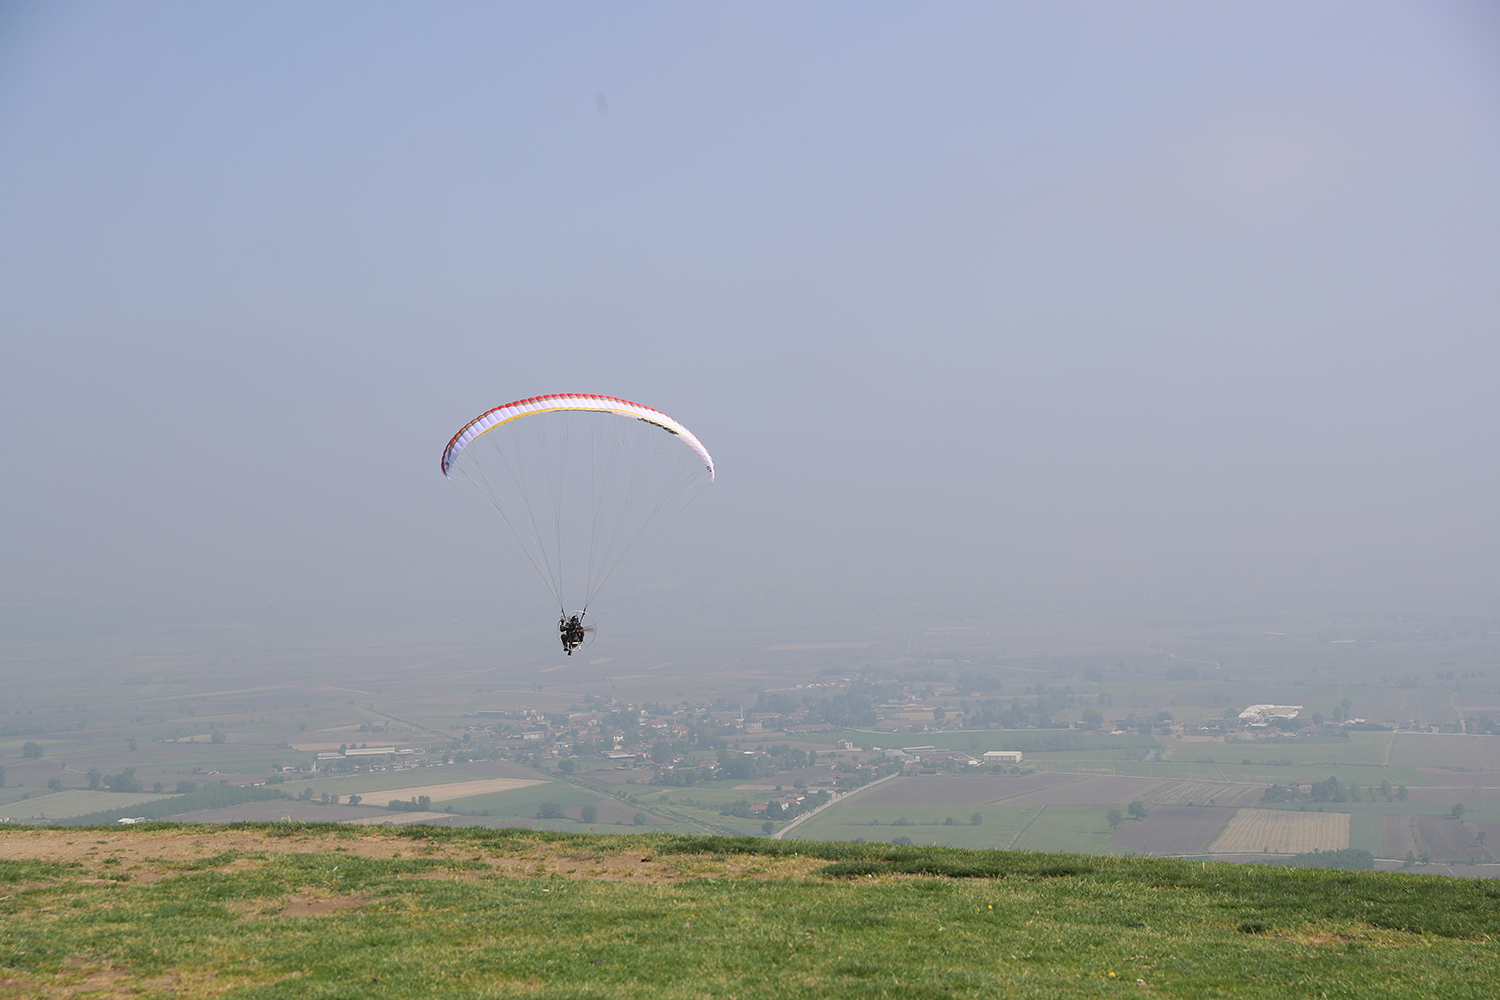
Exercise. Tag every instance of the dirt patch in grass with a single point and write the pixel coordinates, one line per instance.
(307, 904)
(96, 980)
(150, 855)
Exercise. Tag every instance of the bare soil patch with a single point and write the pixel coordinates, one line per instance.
(450, 790)
(1175, 830)
(308, 904)
(150, 855)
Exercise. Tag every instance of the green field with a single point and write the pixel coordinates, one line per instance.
(322, 912)
(1372, 749)
(877, 824)
(522, 801)
(1254, 772)
(1081, 829)
(74, 802)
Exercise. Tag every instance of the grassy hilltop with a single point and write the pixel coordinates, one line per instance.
(288, 910)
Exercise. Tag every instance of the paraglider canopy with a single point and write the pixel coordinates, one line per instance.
(577, 484)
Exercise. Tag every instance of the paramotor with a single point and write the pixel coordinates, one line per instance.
(576, 485)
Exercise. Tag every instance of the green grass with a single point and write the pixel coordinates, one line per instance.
(777, 920)
(1372, 749)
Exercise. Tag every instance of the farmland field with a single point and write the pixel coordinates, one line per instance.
(452, 790)
(524, 801)
(1454, 789)
(1447, 839)
(75, 802)
(1219, 770)
(1371, 749)
(1398, 836)
(1089, 791)
(1451, 750)
(1489, 752)
(1174, 829)
(942, 790)
(859, 821)
(1075, 828)
(1219, 793)
(1283, 832)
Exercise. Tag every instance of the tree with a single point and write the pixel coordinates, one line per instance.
(54, 784)
(133, 746)
(736, 766)
(566, 766)
(1458, 812)
(1385, 788)
(640, 819)
(95, 778)
(549, 810)
(1401, 793)
(1115, 818)
(767, 827)
(1480, 836)
(31, 750)
(1137, 809)
(2, 777)
(354, 800)
(589, 813)
(125, 781)
(976, 820)
(218, 738)
(185, 786)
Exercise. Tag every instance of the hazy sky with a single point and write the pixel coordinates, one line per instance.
(995, 296)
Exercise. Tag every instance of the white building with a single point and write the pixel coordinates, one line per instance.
(1261, 715)
(1002, 756)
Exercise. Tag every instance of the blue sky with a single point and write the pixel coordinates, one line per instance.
(1005, 297)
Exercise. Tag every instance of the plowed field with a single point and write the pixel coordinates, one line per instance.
(1174, 830)
(1396, 836)
(1447, 839)
(1202, 793)
(1254, 830)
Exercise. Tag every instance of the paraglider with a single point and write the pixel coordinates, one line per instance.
(577, 485)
